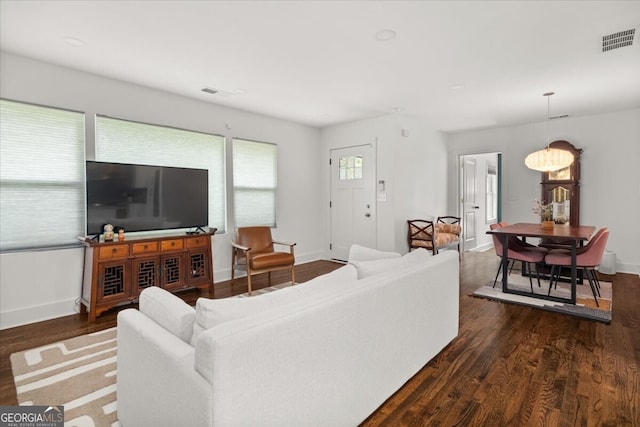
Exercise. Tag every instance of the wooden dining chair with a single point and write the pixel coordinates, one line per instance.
(433, 236)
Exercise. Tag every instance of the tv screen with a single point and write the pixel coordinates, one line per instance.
(144, 198)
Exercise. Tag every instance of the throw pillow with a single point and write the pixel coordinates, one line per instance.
(169, 311)
(371, 268)
(362, 253)
(212, 312)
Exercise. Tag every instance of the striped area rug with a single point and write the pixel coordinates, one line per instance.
(79, 374)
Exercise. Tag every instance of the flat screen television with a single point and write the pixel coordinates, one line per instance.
(144, 198)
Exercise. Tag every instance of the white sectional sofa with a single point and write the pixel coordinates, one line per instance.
(327, 352)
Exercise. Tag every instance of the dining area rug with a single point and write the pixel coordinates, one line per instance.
(585, 306)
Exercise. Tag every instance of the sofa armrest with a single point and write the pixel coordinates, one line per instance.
(168, 311)
(157, 382)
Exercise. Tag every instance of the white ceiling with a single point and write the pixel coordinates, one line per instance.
(319, 63)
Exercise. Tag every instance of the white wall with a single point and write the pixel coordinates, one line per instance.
(413, 168)
(45, 284)
(610, 172)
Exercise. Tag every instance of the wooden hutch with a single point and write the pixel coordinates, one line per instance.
(562, 188)
(116, 272)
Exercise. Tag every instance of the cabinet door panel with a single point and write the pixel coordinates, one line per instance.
(199, 268)
(145, 274)
(172, 272)
(112, 280)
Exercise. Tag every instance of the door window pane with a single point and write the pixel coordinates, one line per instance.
(350, 167)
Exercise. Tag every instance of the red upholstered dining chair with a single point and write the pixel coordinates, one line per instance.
(253, 251)
(520, 244)
(528, 256)
(588, 258)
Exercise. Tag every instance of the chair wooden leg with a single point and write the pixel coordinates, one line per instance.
(249, 283)
(553, 268)
(293, 276)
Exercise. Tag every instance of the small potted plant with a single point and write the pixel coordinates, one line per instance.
(545, 210)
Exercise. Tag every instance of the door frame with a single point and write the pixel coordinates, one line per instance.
(460, 188)
(374, 204)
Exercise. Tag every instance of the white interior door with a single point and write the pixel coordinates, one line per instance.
(352, 204)
(469, 204)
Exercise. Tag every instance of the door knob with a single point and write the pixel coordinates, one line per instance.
(476, 207)
(367, 214)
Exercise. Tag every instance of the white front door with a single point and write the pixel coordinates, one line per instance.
(469, 203)
(353, 198)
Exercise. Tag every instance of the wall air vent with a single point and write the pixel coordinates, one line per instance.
(209, 90)
(619, 39)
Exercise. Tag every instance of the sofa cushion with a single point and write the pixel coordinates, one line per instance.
(212, 312)
(169, 311)
(362, 253)
(371, 268)
(449, 228)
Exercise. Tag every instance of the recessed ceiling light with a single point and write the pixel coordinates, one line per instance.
(396, 109)
(456, 87)
(385, 35)
(73, 41)
(240, 91)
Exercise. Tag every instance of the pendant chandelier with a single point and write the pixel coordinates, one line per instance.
(549, 159)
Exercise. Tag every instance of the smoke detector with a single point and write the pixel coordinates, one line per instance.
(619, 39)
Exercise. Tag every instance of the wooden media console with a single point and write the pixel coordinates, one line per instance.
(116, 272)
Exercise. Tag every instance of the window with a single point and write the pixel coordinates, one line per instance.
(350, 167)
(41, 176)
(254, 183)
(123, 141)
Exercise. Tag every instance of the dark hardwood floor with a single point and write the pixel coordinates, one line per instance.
(510, 365)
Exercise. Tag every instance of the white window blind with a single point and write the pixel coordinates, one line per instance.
(123, 141)
(254, 183)
(41, 176)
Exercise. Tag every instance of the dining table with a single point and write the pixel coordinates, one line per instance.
(573, 235)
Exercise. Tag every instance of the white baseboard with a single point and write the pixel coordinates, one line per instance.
(26, 315)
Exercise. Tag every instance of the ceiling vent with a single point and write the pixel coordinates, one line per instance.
(619, 39)
(210, 90)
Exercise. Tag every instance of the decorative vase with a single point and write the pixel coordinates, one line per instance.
(547, 224)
